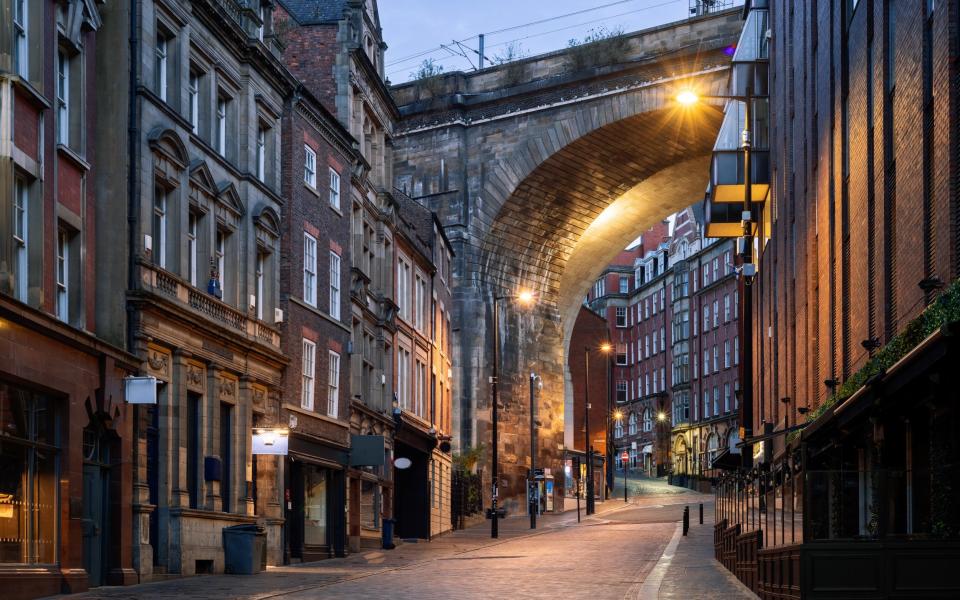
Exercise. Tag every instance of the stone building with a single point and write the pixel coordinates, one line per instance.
(65, 467)
(317, 162)
(191, 284)
(854, 411)
(423, 373)
(670, 304)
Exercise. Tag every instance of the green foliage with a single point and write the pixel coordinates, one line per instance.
(428, 68)
(944, 310)
(468, 459)
(513, 51)
(601, 46)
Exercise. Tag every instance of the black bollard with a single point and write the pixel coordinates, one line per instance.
(701, 513)
(686, 519)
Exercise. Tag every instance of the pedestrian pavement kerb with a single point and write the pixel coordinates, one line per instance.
(682, 562)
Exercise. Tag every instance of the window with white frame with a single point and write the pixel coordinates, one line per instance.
(621, 354)
(706, 404)
(706, 316)
(663, 378)
(260, 275)
(223, 107)
(726, 354)
(421, 389)
(192, 224)
(21, 211)
(647, 419)
(309, 166)
(403, 288)
(193, 96)
(334, 285)
(159, 241)
(663, 338)
(716, 359)
(716, 313)
(656, 335)
(63, 275)
(736, 350)
(261, 28)
(63, 98)
(706, 363)
(21, 48)
(624, 284)
(161, 63)
(706, 274)
(334, 189)
(403, 379)
(726, 397)
(621, 392)
(220, 255)
(646, 346)
(621, 312)
(309, 269)
(309, 370)
(654, 381)
(261, 152)
(646, 384)
(420, 303)
(333, 384)
(726, 308)
(716, 267)
(618, 430)
(716, 400)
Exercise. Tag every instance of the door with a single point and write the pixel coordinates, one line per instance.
(96, 478)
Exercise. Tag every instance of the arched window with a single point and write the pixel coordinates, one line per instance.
(633, 423)
(618, 429)
(647, 420)
(713, 446)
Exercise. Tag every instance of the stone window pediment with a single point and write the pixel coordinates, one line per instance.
(268, 222)
(229, 208)
(170, 156)
(201, 177)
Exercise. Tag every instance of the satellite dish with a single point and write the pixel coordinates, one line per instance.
(402, 463)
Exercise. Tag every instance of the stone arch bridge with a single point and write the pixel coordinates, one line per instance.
(541, 171)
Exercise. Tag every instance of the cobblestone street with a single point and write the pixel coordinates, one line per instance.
(560, 559)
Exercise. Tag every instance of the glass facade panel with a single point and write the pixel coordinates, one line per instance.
(28, 476)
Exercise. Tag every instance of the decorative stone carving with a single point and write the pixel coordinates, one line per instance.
(227, 389)
(158, 363)
(259, 397)
(194, 376)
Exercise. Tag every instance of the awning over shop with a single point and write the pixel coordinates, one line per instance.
(648, 449)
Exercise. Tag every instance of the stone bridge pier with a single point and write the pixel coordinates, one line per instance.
(541, 171)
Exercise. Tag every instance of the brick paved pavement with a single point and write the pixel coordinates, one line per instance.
(607, 556)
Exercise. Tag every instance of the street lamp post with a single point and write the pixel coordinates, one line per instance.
(532, 484)
(748, 268)
(605, 348)
(525, 298)
(587, 447)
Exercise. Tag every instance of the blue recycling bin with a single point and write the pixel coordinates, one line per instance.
(388, 534)
(244, 549)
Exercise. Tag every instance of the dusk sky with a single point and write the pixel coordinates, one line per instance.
(414, 26)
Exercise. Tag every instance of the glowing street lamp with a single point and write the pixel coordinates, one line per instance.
(687, 98)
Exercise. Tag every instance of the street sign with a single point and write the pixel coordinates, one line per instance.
(624, 456)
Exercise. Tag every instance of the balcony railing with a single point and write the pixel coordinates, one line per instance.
(190, 298)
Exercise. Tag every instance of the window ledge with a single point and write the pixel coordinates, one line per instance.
(311, 189)
(31, 91)
(73, 156)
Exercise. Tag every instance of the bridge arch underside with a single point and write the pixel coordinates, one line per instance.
(562, 224)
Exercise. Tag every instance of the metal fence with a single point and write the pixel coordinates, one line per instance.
(467, 496)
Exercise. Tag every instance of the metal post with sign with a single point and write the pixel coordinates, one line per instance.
(624, 457)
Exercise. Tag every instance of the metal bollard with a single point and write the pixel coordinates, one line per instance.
(701, 513)
(686, 519)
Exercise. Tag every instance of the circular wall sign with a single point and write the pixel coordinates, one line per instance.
(402, 463)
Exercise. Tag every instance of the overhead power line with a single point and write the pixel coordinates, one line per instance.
(511, 28)
(446, 47)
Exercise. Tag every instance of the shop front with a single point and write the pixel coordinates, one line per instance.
(412, 498)
(64, 460)
(315, 496)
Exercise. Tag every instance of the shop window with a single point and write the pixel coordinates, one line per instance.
(29, 457)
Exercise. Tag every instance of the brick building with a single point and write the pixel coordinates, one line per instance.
(587, 343)
(670, 304)
(317, 161)
(854, 412)
(65, 467)
(191, 284)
